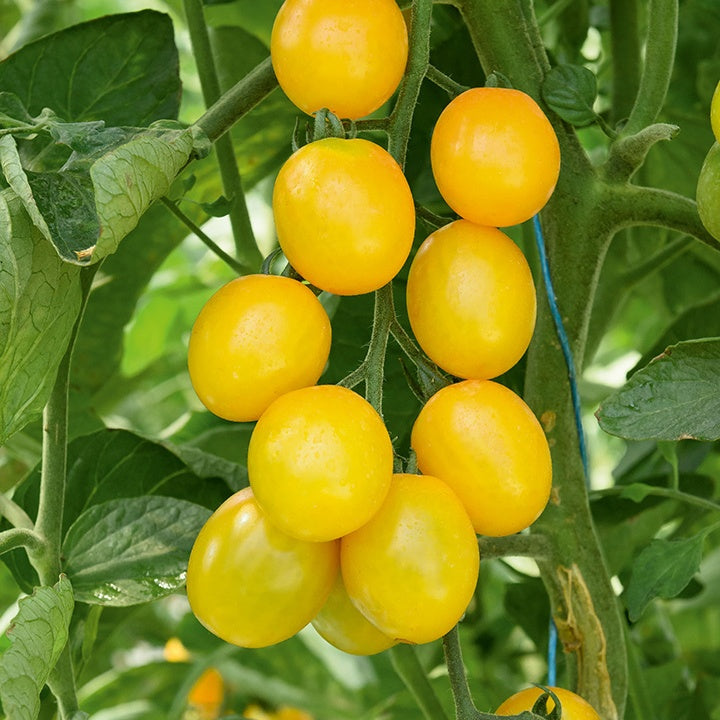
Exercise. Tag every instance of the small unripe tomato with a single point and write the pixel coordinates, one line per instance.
(342, 625)
(495, 156)
(484, 441)
(344, 55)
(256, 338)
(471, 300)
(251, 584)
(412, 569)
(320, 461)
(708, 192)
(715, 112)
(573, 706)
(344, 215)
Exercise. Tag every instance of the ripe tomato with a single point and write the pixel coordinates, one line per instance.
(257, 337)
(485, 442)
(344, 55)
(708, 192)
(249, 583)
(715, 112)
(320, 462)
(342, 625)
(413, 568)
(495, 156)
(471, 300)
(344, 215)
(573, 706)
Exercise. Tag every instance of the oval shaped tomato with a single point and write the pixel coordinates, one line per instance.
(495, 156)
(715, 112)
(484, 441)
(320, 462)
(344, 215)
(342, 625)
(344, 55)
(573, 706)
(471, 300)
(708, 192)
(249, 583)
(256, 338)
(412, 569)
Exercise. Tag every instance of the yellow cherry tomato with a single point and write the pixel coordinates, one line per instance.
(573, 706)
(207, 694)
(495, 156)
(257, 337)
(344, 215)
(249, 583)
(344, 55)
(342, 625)
(707, 192)
(485, 442)
(715, 112)
(413, 568)
(471, 300)
(320, 462)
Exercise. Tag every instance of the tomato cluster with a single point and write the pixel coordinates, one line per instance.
(327, 532)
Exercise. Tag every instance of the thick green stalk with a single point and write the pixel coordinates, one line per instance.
(464, 706)
(625, 44)
(246, 247)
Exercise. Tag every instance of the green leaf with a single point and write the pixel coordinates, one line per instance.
(131, 551)
(38, 634)
(676, 397)
(122, 69)
(570, 90)
(662, 570)
(12, 111)
(39, 302)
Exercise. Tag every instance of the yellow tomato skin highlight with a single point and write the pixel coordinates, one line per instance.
(249, 583)
(346, 55)
(256, 338)
(484, 441)
(471, 300)
(344, 215)
(495, 156)
(412, 569)
(342, 625)
(573, 706)
(320, 462)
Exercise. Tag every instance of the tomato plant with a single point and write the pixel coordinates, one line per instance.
(356, 53)
(251, 584)
(495, 156)
(573, 706)
(344, 215)
(485, 442)
(257, 337)
(471, 300)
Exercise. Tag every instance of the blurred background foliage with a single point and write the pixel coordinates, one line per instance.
(656, 288)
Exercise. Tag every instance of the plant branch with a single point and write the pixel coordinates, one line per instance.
(407, 666)
(238, 100)
(534, 546)
(628, 153)
(20, 537)
(375, 359)
(247, 249)
(444, 82)
(664, 492)
(14, 514)
(464, 706)
(237, 266)
(657, 70)
(625, 47)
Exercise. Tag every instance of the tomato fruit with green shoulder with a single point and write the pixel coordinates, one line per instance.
(344, 55)
(320, 462)
(708, 192)
(573, 706)
(251, 584)
(485, 442)
(471, 300)
(255, 339)
(344, 215)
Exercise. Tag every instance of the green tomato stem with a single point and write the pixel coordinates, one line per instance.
(625, 48)
(14, 514)
(375, 359)
(246, 247)
(464, 706)
(405, 661)
(20, 537)
(670, 493)
(444, 82)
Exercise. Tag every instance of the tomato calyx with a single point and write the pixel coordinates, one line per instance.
(324, 125)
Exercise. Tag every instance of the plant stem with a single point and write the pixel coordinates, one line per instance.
(14, 514)
(464, 706)
(20, 537)
(247, 250)
(238, 100)
(665, 492)
(534, 545)
(407, 666)
(625, 46)
(657, 70)
(444, 82)
(375, 359)
(237, 266)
